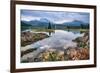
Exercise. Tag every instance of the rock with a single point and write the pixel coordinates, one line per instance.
(83, 41)
(28, 37)
(77, 53)
(37, 59)
(81, 52)
(28, 51)
(84, 38)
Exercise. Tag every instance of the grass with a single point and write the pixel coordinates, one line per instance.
(43, 30)
(78, 29)
(52, 30)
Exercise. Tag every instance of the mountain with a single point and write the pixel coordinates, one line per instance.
(25, 25)
(74, 23)
(39, 23)
(44, 23)
(44, 20)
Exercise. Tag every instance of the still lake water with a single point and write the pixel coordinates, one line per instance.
(60, 39)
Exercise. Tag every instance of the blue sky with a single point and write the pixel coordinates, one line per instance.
(55, 16)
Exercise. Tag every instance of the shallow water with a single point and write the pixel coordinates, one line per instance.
(61, 39)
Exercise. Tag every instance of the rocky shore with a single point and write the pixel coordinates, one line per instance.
(81, 52)
(29, 37)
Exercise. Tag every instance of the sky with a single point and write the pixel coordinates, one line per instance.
(55, 16)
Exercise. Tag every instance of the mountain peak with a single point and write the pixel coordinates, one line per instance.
(44, 20)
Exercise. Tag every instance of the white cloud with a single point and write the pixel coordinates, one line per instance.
(29, 18)
(62, 21)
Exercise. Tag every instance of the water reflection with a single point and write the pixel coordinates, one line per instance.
(57, 40)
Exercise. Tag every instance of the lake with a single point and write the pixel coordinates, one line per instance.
(57, 39)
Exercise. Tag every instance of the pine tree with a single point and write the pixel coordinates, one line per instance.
(49, 27)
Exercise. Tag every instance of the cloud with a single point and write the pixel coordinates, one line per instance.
(54, 16)
(63, 21)
(29, 18)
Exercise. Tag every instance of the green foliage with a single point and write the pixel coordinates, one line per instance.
(49, 26)
(52, 56)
